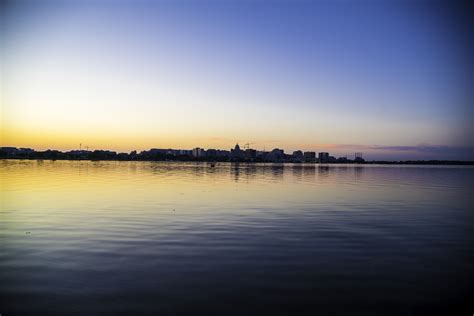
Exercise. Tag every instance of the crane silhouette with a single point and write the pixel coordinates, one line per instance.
(247, 146)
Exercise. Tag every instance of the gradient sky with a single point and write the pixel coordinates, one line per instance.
(391, 79)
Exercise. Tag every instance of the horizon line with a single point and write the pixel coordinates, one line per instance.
(421, 148)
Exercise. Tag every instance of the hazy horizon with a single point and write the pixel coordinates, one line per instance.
(392, 80)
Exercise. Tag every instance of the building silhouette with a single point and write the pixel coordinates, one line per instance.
(323, 157)
(237, 153)
(309, 156)
(198, 152)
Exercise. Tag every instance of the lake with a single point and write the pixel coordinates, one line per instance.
(168, 238)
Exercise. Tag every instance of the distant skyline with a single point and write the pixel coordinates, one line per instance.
(392, 79)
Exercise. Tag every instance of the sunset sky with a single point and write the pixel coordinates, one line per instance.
(391, 79)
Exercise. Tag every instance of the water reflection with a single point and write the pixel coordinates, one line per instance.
(179, 238)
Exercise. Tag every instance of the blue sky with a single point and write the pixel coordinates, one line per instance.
(391, 77)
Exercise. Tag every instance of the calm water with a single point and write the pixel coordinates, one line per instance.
(93, 238)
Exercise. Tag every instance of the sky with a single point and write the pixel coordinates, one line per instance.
(391, 79)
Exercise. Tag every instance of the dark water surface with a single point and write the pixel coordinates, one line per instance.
(158, 238)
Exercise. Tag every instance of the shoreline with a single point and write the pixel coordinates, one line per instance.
(375, 162)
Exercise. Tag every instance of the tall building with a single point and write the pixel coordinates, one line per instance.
(298, 154)
(276, 155)
(198, 152)
(323, 157)
(309, 156)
